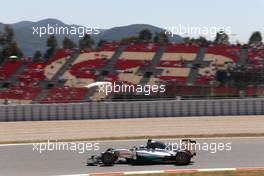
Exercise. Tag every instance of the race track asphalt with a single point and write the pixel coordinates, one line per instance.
(23, 161)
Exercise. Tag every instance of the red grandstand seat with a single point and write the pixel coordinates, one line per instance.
(225, 50)
(142, 47)
(33, 73)
(107, 46)
(204, 79)
(164, 63)
(65, 95)
(181, 48)
(125, 64)
(85, 69)
(61, 53)
(20, 93)
(177, 79)
(8, 68)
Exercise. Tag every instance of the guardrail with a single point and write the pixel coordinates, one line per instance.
(133, 109)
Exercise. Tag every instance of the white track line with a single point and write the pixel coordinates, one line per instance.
(216, 169)
(17, 144)
(135, 140)
(143, 172)
(75, 175)
(166, 171)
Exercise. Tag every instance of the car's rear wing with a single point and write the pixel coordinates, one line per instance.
(189, 146)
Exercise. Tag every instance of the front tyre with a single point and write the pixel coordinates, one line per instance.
(108, 158)
(182, 158)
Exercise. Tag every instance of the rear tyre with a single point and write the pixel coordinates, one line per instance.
(182, 158)
(108, 158)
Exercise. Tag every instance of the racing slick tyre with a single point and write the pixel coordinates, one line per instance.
(182, 158)
(108, 158)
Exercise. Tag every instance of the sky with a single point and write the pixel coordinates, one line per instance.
(242, 16)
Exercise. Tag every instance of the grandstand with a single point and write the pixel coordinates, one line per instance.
(187, 70)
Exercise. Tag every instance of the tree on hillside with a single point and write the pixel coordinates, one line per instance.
(221, 76)
(12, 49)
(161, 37)
(86, 42)
(101, 42)
(186, 40)
(255, 37)
(133, 39)
(52, 45)
(68, 43)
(15, 50)
(221, 38)
(200, 41)
(1, 40)
(37, 55)
(145, 35)
(8, 47)
(9, 34)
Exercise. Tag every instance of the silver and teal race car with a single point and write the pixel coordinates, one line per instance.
(155, 152)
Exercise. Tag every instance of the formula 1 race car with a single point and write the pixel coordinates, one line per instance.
(155, 152)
